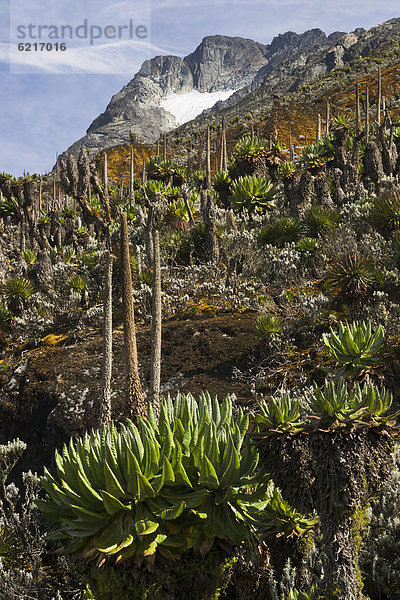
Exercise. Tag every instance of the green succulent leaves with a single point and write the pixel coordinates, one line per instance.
(385, 212)
(279, 414)
(250, 148)
(355, 346)
(338, 404)
(169, 486)
(268, 326)
(17, 291)
(252, 192)
(318, 155)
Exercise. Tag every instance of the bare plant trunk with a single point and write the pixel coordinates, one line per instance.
(155, 368)
(225, 155)
(318, 134)
(327, 117)
(22, 233)
(131, 187)
(137, 405)
(59, 236)
(367, 115)
(105, 182)
(40, 194)
(105, 407)
(379, 101)
(210, 223)
(231, 275)
(148, 237)
(208, 158)
(357, 107)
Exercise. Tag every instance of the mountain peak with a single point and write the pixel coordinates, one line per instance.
(223, 69)
(221, 60)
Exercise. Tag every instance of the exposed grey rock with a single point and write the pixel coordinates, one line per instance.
(336, 56)
(220, 63)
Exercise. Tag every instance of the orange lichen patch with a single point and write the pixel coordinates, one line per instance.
(53, 340)
(119, 160)
(298, 119)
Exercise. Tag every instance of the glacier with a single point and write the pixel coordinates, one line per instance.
(186, 106)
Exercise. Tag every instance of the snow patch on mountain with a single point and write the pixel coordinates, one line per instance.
(188, 105)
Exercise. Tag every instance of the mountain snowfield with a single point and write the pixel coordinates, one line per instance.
(189, 105)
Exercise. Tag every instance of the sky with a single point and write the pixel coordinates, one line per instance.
(49, 98)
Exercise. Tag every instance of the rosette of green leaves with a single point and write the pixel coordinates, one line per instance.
(153, 189)
(17, 291)
(177, 210)
(351, 275)
(385, 212)
(319, 220)
(315, 156)
(222, 184)
(181, 483)
(30, 257)
(295, 594)
(287, 169)
(338, 404)
(278, 414)
(250, 148)
(8, 208)
(284, 231)
(282, 518)
(268, 326)
(355, 346)
(253, 193)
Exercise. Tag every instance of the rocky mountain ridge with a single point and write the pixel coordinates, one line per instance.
(329, 69)
(219, 63)
(254, 73)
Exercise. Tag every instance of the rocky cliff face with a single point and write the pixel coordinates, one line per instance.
(248, 69)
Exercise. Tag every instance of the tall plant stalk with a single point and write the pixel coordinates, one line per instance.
(105, 407)
(136, 403)
(155, 368)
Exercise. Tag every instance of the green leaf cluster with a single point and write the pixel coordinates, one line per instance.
(319, 220)
(160, 169)
(385, 212)
(250, 148)
(317, 155)
(298, 595)
(279, 414)
(181, 483)
(252, 192)
(7, 208)
(351, 275)
(284, 231)
(268, 326)
(338, 403)
(17, 291)
(355, 346)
